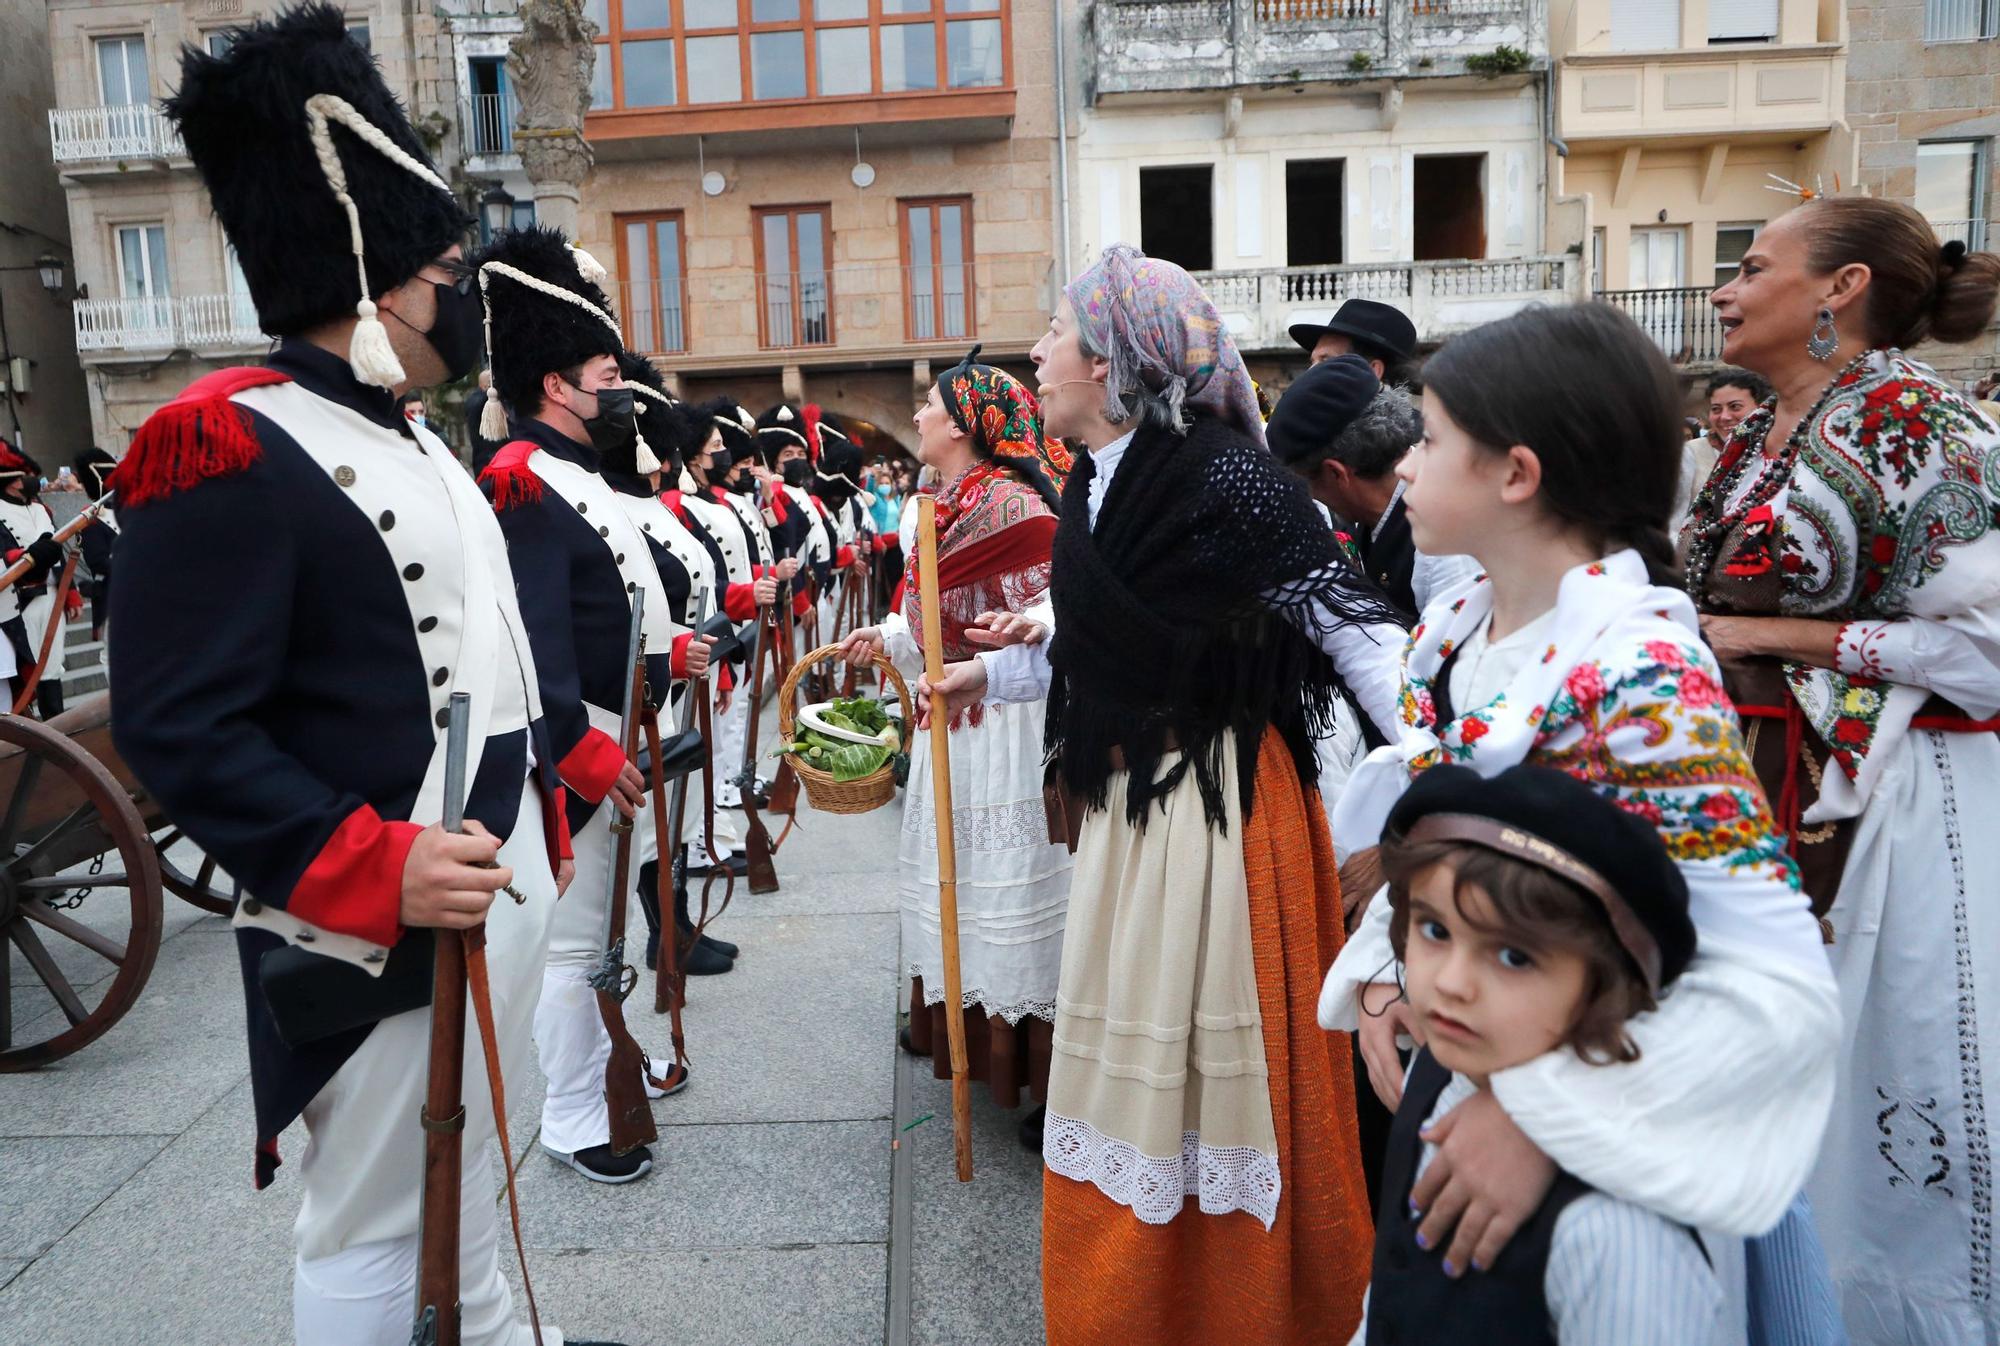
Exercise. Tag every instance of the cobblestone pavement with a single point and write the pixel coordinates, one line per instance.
(780, 1211)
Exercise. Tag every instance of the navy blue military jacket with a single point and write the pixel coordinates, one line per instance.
(578, 614)
(269, 684)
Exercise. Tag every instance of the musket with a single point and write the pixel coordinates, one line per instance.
(757, 847)
(86, 517)
(784, 796)
(458, 965)
(669, 984)
(624, 1073)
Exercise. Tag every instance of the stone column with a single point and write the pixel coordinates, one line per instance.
(550, 65)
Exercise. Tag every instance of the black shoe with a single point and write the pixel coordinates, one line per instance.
(721, 946)
(738, 864)
(598, 1164)
(702, 961)
(1031, 1129)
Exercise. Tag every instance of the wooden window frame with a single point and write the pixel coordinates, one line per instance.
(614, 35)
(651, 218)
(758, 214)
(932, 204)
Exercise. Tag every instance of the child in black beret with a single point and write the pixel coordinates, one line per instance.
(1530, 914)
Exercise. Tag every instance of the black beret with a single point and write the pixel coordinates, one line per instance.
(1549, 818)
(1321, 403)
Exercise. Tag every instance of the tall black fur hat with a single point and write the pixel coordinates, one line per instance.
(837, 470)
(739, 430)
(780, 427)
(544, 312)
(302, 146)
(661, 418)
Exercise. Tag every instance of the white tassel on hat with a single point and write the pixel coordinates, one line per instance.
(643, 458)
(589, 267)
(493, 418)
(370, 352)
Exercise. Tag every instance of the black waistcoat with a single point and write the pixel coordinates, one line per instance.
(1411, 1302)
(1391, 557)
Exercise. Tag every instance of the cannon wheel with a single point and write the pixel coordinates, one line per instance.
(197, 889)
(58, 807)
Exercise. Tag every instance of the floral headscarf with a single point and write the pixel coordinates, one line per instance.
(1158, 327)
(997, 409)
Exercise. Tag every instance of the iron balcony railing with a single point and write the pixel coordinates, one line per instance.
(124, 131)
(489, 124)
(167, 323)
(1440, 297)
(1681, 322)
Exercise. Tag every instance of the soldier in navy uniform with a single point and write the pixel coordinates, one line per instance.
(690, 562)
(93, 469)
(305, 580)
(554, 347)
(29, 606)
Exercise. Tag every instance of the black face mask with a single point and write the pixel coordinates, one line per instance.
(797, 472)
(745, 484)
(457, 333)
(614, 430)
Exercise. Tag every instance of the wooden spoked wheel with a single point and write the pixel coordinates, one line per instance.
(198, 889)
(79, 889)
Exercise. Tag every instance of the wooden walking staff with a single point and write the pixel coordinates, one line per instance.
(954, 1005)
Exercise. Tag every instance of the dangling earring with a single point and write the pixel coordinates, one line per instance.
(1824, 341)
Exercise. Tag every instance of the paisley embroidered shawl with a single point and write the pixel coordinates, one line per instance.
(994, 536)
(1890, 511)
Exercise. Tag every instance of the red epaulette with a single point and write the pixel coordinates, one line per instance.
(508, 479)
(672, 500)
(198, 435)
(821, 504)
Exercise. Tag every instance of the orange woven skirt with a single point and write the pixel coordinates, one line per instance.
(1110, 1279)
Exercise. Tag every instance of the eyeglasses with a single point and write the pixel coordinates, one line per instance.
(463, 277)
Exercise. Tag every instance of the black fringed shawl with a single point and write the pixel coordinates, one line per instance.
(1182, 618)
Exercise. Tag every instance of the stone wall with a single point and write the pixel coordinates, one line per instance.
(53, 419)
(1900, 90)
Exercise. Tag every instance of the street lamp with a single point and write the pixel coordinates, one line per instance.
(496, 210)
(50, 268)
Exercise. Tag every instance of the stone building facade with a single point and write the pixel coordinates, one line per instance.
(1298, 153)
(1677, 118)
(165, 302)
(825, 203)
(1923, 96)
(42, 400)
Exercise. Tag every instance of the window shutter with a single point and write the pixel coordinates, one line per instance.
(1645, 25)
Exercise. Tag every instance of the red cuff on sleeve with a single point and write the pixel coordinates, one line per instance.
(354, 886)
(843, 558)
(801, 603)
(678, 664)
(739, 602)
(882, 543)
(15, 553)
(592, 765)
(724, 678)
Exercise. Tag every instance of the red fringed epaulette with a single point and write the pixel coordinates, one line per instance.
(509, 481)
(824, 513)
(672, 500)
(199, 435)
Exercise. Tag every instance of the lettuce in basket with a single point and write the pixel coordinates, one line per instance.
(844, 761)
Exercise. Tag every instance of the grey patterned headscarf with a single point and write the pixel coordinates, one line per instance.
(1158, 328)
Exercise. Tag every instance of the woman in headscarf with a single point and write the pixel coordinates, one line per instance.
(1204, 1181)
(980, 428)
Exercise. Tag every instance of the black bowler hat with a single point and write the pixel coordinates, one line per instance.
(1380, 331)
(1321, 403)
(1550, 819)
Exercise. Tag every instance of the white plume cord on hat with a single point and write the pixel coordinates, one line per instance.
(493, 420)
(837, 476)
(373, 358)
(785, 430)
(644, 458)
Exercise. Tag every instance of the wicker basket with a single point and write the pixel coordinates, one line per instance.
(823, 792)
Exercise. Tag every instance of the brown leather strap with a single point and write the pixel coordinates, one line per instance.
(481, 987)
(667, 844)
